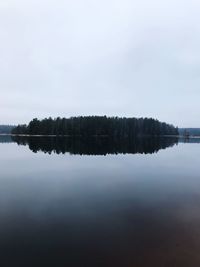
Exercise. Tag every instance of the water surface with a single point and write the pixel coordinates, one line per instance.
(119, 203)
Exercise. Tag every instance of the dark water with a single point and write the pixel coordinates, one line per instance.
(101, 203)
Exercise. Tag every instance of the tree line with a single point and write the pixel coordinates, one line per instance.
(189, 131)
(97, 126)
(6, 129)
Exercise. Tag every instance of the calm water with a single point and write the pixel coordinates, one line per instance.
(102, 203)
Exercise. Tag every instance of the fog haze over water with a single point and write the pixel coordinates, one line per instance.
(125, 58)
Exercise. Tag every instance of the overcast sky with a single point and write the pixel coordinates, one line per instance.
(82, 57)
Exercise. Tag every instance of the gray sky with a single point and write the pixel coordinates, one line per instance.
(127, 58)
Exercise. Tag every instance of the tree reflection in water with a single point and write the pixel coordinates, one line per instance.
(95, 146)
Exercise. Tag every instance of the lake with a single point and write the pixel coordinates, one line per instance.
(99, 202)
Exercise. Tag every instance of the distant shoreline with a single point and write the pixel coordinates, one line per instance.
(101, 136)
(53, 135)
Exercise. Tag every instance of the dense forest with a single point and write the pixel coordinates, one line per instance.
(6, 129)
(97, 126)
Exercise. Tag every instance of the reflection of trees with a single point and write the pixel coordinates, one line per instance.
(5, 139)
(192, 140)
(95, 146)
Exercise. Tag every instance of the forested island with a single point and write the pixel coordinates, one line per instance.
(96, 126)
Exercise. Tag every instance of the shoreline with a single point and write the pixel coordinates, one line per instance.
(53, 135)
